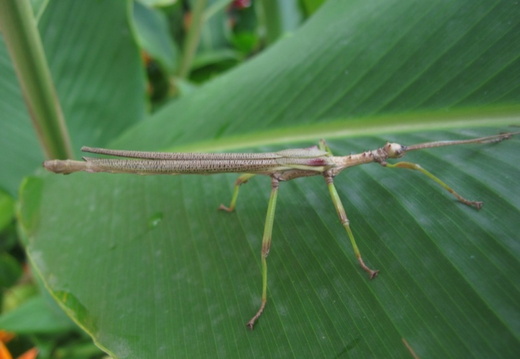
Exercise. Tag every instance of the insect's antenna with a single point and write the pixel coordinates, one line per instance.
(488, 139)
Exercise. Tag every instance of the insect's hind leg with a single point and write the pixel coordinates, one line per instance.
(240, 181)
(416, 167)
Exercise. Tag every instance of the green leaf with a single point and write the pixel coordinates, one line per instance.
(149, 267)
(35, 316)
(6, 210)
(153, 35)
(10, 270)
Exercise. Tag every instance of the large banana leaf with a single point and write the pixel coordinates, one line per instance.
(150, 269)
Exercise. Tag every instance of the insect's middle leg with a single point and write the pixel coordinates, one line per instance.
(266, 246)
(346, 224)
(416, 167)
(240, 181)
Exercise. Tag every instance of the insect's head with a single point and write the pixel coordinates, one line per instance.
(394, 150)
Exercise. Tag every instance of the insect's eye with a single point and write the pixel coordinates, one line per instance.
(394, 150)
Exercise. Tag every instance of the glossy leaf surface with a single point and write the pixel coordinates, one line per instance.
(150, 268)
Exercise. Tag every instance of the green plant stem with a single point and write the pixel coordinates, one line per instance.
(192, 38)
(26, 50)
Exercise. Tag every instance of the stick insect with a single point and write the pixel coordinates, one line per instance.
(280, 166)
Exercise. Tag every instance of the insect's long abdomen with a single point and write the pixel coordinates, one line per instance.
(173, 167)
(195, 166)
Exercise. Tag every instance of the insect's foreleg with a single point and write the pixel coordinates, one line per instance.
(416, 167)
(266, 245)
(240, 181)
(346, 224)
(324, 147)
